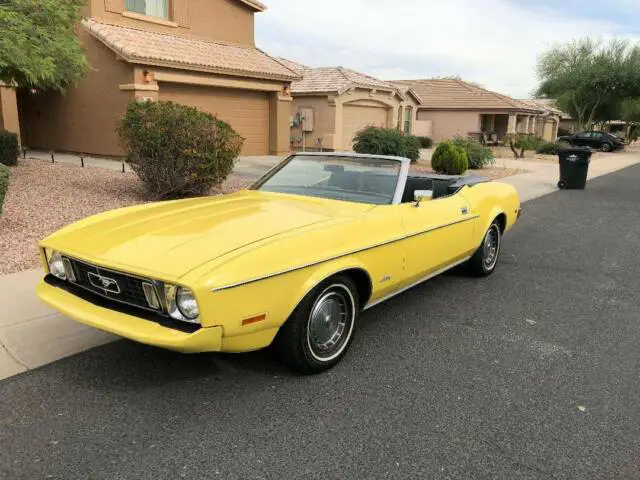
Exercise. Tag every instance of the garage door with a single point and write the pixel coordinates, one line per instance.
(247, 111)
(356, 117)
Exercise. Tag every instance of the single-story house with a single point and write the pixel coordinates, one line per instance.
(550, 122)
(194, 52)
(455, 107)
(331, 104)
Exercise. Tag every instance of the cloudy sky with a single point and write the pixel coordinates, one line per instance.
(491, 42)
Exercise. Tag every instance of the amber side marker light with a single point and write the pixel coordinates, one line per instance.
(252, 320)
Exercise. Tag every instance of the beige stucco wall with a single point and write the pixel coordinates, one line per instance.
(329, 113)
(279, 115)
(9, 110)
(448, 124)
(324, 120)
(83, 119)
(226, 20)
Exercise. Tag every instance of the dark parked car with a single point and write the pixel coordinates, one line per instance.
(597, 140)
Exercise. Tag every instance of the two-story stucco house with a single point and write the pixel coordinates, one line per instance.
(196, 52)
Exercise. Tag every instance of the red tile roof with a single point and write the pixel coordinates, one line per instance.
(150, 48)
(453, 94)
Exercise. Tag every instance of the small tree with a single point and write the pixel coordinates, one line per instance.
(449, 159)
(521, 142)
(588, 78)
(38, 44)
(176, 150)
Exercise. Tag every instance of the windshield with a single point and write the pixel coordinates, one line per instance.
(353, 179)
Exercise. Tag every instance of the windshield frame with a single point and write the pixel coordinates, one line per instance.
(402, 172)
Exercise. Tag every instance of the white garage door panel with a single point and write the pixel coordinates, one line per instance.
(357, 117)
(245, 110)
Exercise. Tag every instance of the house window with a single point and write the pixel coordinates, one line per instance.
(152, 8)
(407, 120)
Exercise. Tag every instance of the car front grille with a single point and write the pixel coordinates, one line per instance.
(116, 286)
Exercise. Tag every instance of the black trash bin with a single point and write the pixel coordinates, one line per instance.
(574, 166)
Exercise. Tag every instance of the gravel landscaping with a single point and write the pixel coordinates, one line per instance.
(44, 197)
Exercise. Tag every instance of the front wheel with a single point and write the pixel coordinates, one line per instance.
(484, 261)
(319, 331)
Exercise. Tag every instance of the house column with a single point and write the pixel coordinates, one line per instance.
(513, 120)
(526, 124)
(534, 123)
(397, 114)
(9, 110)
(279, 118)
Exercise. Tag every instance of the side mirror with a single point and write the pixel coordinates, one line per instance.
(422, 196)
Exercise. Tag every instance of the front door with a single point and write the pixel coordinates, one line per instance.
(439, 233)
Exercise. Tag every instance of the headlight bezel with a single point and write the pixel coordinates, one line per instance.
(173, 304)
(55, 264)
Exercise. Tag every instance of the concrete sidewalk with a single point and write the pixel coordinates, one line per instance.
(32, 335)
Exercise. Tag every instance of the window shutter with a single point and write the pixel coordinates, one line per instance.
(116, 6)
(181, 13)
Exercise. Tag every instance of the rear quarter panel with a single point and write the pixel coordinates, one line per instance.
(488, 201)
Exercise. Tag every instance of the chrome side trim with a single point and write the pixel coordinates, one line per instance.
(422, 280)
(307, 265)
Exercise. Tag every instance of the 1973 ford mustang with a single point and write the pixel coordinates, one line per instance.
(290, 261)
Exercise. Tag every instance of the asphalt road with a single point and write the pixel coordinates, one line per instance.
(531, 373)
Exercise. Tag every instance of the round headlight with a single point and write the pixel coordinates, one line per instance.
(187, 303)
(56, 267)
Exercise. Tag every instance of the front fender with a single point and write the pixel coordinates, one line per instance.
(275, 298)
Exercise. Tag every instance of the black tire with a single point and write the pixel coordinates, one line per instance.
(606, 147)
(484, 261)
(298, 344)
(562, 184)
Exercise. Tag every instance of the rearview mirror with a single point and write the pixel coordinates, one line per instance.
(422, 196)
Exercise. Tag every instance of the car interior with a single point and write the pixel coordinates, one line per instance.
(440, 185)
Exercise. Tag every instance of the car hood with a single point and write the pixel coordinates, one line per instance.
(173, 238)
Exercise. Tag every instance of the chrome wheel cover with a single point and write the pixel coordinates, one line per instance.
(330, 323)
(491, 248)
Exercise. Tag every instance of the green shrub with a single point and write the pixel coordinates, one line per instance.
(386, 141)
(177, 150)
(5, 173)
(425, 142)
(520, 142)
(449, 159)
(551, 148)
(478, 155)
(9, 148)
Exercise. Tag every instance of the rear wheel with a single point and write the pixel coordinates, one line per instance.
(484, 261)
(319, 331)
(606, 147)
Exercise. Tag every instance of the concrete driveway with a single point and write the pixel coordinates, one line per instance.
(530, 373)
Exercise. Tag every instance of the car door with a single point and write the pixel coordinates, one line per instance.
(582, 139)
(596, 140)
(438, 233)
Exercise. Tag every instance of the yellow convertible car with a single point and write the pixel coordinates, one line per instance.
(290, 261)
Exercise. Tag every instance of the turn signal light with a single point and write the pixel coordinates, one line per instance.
(252, 320)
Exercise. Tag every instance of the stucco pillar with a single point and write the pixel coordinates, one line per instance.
(279, 123)
(9, 110)
(513, 120)
(337, 113)
(397, 117)
(527, 124)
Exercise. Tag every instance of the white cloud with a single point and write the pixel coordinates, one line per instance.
(492, 42)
